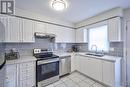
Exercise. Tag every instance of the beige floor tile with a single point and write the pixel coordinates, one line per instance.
(61, 85)
(97, 85)
(83, 84)
(58, 82)
(89, 81)
(70, 83)
(51, 85)
(76, 79)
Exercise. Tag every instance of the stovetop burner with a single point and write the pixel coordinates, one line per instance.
(44, 54)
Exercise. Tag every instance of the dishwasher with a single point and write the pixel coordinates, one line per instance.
(65, 65)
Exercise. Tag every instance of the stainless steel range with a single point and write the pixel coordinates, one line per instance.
(47, 67)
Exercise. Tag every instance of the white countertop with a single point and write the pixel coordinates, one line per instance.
(21, 60)
(60, 54)
(105, 57)
(63, 54)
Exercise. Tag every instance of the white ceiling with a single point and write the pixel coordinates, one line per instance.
(78, 10)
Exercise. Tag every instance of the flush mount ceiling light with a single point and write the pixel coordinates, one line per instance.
(59, 5)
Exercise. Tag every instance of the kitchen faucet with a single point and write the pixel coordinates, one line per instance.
(95, 47)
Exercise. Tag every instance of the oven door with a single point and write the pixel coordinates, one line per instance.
(47, 69)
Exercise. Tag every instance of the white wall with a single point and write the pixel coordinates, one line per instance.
(25, 13)
(127, 13)
(101, 16)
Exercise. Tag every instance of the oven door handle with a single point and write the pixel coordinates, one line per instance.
(47, 61)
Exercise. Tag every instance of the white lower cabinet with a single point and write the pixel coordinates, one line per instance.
(111, 73)
(107, 72)
(2, 77)
(90, 67)
(11, 75)
(74, 63)
(27, 74)
(94, 68)
(20, 75)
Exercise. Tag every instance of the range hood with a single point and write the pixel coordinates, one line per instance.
(44, 35)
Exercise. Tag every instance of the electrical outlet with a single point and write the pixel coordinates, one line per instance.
(111, 49)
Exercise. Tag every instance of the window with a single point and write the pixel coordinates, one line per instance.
(98, 36)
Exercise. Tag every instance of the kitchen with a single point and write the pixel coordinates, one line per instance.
(55, 43)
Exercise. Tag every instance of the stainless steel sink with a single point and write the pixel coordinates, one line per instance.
(95, 54)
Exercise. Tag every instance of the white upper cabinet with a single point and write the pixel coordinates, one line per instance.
(63, 34)
(28, 31)
(53, 29)
(11, 28)
(40, 27)
(114, 29)
(81, 35)
(68, 35)
(14, 30)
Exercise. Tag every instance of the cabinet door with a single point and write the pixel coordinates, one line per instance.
(68, 35)
(108, 73)
(40, 27)
(27, 74)
(12, 27)
(15, 27)
(114, 29)
(73, 62)
(77, 63)
(83, 64)
(63, 34)
(11, 76)
(2, 77)
(3, 28)
(28, 31)
(93, 68)
(81, 35)
(57, 30)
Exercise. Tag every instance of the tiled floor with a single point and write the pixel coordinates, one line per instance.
(75, 80)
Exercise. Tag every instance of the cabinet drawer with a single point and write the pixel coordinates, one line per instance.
(27, 65)
(30, 64)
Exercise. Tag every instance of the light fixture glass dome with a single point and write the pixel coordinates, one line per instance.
(59, 5)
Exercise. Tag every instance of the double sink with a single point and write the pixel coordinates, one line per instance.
(95, 54)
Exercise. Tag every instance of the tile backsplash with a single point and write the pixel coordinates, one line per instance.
(2, 48)
(117, 49)
(27, 48)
